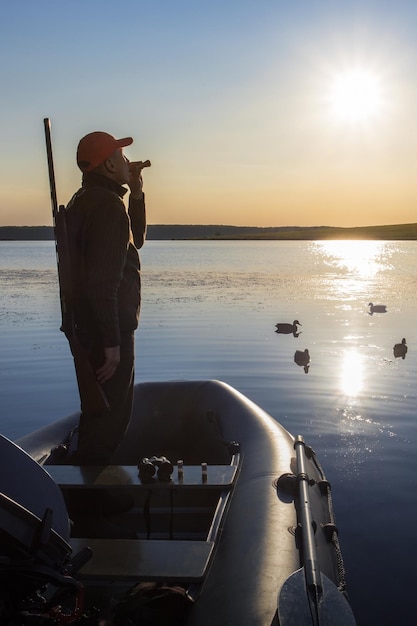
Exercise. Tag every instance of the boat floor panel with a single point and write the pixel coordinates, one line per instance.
(150, 560)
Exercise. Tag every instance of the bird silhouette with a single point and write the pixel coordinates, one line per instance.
(400, 349)
(377, 308)
(284, 328)
(302, 358)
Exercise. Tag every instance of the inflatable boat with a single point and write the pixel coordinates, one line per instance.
(211, 513)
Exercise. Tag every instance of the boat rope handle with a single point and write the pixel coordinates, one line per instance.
(331, 531)
(59, 616)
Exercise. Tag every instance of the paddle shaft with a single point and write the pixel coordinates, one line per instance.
(311, 566)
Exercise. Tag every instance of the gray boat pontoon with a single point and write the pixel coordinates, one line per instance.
(210, 514)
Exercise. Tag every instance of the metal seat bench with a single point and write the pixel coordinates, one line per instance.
(74, 476)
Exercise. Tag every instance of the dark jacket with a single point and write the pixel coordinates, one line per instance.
(103, 241)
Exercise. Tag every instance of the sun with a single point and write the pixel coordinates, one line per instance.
(356, 96)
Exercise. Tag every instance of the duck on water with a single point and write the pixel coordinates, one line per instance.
(377, 308)
(400, 349)
(286, 328)
(234, 524)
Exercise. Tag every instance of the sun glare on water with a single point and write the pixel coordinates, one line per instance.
(356, 96)
(358, 258)
(351, 379)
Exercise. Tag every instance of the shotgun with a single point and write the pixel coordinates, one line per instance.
(92, 395)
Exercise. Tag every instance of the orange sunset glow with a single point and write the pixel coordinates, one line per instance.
(257, 115)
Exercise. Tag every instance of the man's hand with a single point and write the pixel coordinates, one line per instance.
(111, 362)
(135, 181)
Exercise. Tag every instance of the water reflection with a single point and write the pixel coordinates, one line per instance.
(352, 373)
(302, 358)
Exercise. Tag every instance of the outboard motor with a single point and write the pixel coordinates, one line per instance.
(35, 555)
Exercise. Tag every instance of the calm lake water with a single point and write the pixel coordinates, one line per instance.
(209, 311)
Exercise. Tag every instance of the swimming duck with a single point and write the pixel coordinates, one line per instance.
(400, 349)
(302, 358)
(285, 328)
(377, 308)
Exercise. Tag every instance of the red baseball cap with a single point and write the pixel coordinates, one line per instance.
(96, 147)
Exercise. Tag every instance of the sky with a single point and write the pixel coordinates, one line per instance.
(255, 113)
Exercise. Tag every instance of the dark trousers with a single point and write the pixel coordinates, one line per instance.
(100, 434)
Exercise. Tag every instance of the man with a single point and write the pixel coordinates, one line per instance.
(103, 241)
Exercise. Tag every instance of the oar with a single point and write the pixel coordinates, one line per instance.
(308, 597)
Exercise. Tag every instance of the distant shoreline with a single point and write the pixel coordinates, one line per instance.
(401, 232)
